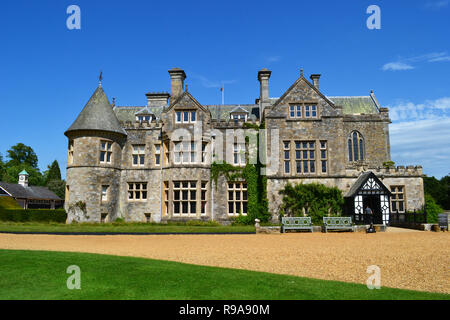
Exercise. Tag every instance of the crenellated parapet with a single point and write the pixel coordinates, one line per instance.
(396, 171)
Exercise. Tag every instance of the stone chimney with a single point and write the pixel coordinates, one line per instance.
(23, 178)
(263, 77)
(157, 99)
(315, 80)
(177, 77)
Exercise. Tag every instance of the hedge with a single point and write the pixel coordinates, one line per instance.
(36, 215)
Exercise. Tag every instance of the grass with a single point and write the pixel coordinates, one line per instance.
(8, 203)
(42, 275)
(193, 227)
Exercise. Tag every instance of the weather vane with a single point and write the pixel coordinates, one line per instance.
(100, 78)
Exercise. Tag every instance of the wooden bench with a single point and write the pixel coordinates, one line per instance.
(296, 223)
(337, 223)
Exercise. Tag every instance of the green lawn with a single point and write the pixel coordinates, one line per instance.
(120, 228)
(42, 275)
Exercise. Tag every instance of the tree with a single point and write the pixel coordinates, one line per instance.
(2, 167)
(439, 190)
(433, 209)
(34, 175)
(53, 173)
(312, 199)
(21, 154)
(58, 187)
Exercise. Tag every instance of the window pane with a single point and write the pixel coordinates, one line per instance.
(193, 207)
(185, 207)
(324, 166)
(176, 207)
(193, 116)
(178, 116)
(350, 153)
(287, 167)
(305, 166)
(186, 116)
(193, 195)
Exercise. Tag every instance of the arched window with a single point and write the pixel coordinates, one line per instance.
(355, 145)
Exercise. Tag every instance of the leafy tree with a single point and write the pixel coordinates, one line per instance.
(58, 187)
(22, 154)
(313, 199)
(439, 190)
(433, 209)
(2, 167)
(445, 202)
(53, 173)
(12, 174)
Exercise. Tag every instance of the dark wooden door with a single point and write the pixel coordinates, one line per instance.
(373, 201)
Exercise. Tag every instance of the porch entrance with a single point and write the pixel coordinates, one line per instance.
(368, 191)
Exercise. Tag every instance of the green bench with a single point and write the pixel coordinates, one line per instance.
(296, 223)
(337, 223)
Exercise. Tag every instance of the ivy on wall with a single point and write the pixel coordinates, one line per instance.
(256, 186)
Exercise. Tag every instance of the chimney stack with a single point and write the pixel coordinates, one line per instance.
(263, 77)
(177, 77)
(157, 99)
(315, 79)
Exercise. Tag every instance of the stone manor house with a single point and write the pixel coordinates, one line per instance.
(153, 162)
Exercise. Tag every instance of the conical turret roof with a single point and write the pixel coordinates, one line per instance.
(98, 115)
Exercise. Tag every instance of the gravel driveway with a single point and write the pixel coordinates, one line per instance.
(408, 260)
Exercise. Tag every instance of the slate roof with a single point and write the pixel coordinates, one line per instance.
(357, 105)
(30, 192)
(97, 115)
(222, 112)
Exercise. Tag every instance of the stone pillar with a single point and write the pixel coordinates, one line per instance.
(177, 77)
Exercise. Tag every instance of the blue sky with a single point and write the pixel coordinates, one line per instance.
(49, 72)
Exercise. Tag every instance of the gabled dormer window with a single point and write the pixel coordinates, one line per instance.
(238, 116)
